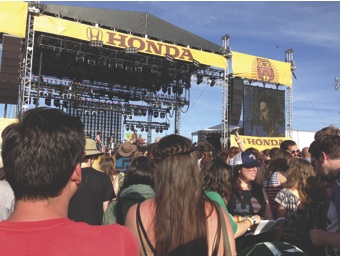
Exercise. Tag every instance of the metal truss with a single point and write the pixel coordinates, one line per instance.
(26, 76)
(177, 119)
(225, 92)
(114, 57)
(289, 57)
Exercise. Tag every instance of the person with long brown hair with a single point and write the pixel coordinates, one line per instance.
(216, 186)
(180, 219)
(275, 176)
(248, 198)
(297, 202)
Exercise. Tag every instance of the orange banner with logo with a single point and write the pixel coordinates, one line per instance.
(84, 32)
(259, 143)
(13, 16)
(261, 69)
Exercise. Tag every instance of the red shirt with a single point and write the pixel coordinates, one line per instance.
(65, 237)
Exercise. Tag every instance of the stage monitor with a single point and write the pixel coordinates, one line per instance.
(264, 112)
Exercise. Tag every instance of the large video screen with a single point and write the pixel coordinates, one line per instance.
(264, 112)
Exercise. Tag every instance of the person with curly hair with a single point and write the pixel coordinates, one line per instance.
(297, 202)
(248, 199)
(216, 186)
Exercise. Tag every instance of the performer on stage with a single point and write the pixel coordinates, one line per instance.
(134, 138)
(140, 141)
(99, 141)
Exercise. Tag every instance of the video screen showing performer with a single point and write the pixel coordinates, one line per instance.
(264, 112)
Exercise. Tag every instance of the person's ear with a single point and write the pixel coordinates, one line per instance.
(323, 157)
(77, 174)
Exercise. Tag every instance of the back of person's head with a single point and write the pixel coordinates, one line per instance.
(276, 165)
(329, 130)
(150, 151)
(139, 171)
(178, 186)
(266, 153)
(281, 153)
(330, 145)
(273, 151)
(222, 154)
(207, 156)
(233, 151)
(176, 161)
(107, 165)
(301, 175)
(305, 153)
(216, 178)
(286, 144)
(41, 151)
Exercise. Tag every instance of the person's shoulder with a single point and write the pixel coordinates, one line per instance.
(109, 231)
(212, 194)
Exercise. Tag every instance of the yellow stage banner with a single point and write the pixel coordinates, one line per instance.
(4, 122)
(259, 143)
(13, 16)
(261, 69)
(84, 32)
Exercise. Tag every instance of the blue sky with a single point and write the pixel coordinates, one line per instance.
(265, 29)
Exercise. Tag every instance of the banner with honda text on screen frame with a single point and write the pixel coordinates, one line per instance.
(84, 32)
(260, 143)
(13, 17)
(261, 69)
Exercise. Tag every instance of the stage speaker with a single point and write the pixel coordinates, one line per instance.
(10, 69)
(236, 94)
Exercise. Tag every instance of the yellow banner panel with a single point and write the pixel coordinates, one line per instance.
(259, 143)
(84, 32)
(13, 16)
(4, 122)
(261, 69)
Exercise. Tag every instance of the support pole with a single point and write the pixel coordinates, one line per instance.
(225, 93)
(289, 57)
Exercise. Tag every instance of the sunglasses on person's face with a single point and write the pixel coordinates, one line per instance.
(295, 151)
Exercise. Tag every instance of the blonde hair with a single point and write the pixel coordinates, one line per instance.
(302, 176)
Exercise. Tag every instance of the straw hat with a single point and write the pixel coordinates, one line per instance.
(90, 148)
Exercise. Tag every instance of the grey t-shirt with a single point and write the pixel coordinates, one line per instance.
(6, 200)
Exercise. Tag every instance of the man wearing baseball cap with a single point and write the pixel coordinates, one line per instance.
(95, 191)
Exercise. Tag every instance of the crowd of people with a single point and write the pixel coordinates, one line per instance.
(173, 198)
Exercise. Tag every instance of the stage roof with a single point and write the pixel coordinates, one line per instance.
(141, 23)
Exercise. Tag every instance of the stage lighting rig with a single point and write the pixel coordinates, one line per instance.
(130, 50)
(199, 79)
(169, 58)
(96, 43)
(196, 63)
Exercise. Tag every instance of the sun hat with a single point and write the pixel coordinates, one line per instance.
(126, 149)
(90, 148)
(246, 159)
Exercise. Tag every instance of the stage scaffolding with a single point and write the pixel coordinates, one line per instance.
(105, 86)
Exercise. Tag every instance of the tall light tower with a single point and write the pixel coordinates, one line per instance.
(289, 57)
(225, 40)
